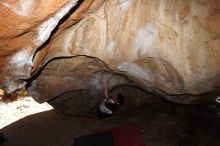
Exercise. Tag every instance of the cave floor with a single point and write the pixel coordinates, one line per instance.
(161, 124)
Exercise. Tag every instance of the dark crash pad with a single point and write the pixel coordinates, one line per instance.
(128, 135)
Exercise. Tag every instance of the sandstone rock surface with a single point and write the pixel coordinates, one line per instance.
(169, 48)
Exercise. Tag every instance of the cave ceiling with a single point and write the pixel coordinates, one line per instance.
(168, 48)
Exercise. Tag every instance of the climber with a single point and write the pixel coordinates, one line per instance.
(110, 103)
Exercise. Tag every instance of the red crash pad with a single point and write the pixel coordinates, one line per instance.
(127, 135)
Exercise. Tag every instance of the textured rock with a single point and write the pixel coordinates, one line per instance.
(33, 23)
(169, 48)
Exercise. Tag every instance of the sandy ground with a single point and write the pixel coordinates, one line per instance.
(22, 107)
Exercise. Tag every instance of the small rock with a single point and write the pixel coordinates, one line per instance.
(22, 106)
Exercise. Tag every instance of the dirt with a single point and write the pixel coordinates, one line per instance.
(27, 123)
(13, 111)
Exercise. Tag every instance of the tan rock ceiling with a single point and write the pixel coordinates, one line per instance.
(167, 47)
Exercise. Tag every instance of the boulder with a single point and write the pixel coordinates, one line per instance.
(168, 48)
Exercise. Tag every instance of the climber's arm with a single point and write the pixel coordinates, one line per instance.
(106, 88)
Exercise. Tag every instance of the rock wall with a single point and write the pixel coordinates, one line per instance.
(169, 48)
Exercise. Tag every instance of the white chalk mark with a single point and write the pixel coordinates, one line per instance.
(110, 49)
(23, 7)
(122, 4)
(144, 40)
(136, 71)
(125, 5)
(21, 58)
(46, 28)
